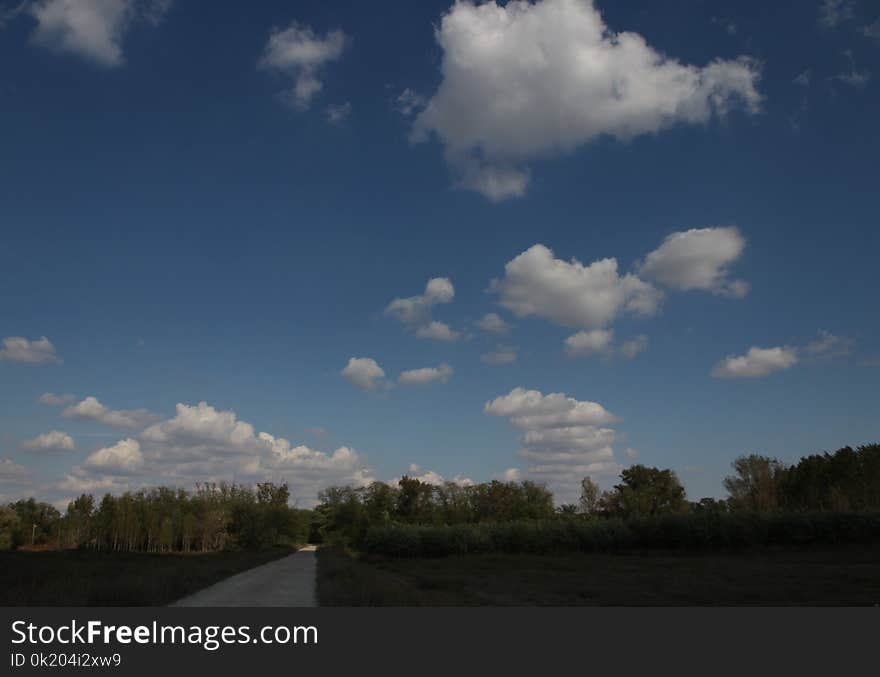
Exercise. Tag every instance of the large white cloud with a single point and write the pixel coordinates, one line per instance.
(300, 53)
(53, 440)
(698, 259)
(756, 363)
(93, 29)
(570, 293)
(565, 439)
(201, 443)
(93, 410)
(364, 372)
(24, 351)
(529, 79)
(425, 375)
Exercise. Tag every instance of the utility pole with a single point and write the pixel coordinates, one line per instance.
(33, 533)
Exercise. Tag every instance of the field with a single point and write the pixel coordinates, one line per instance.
(82, 577)
(838, 575)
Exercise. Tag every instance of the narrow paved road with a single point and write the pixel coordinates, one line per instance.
(289, 581)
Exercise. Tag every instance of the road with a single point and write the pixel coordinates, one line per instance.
(289, 581)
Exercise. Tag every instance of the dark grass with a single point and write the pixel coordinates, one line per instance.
(800, 576)
(88, 578)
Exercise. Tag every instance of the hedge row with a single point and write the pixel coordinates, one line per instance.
(693, 531)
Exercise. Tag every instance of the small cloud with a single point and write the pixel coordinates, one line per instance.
(804, 78)
(437, 331)
(501, 355)
(53, 400)
(493, 323)
(317, 431)
(338, 113)
(629, 349)
(832, 13)
(855, 77)
(586, 343)
(425, 375)
(756, 363)
(872, 31)
(631, 453)
(23, 351)
(409, 103)
(364, 372)
(50, 441)
(830, 345)
(92, 409)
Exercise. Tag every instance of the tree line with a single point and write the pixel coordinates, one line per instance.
(213, 517)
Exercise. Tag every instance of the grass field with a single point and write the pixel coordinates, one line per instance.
(79, 577)
(839, 575)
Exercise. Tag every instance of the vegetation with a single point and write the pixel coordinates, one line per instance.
(88, 577)
(212, 518)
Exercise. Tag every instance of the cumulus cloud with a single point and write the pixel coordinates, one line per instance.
(425, 375)
(829, 344)
(13, 473)
(124, 457)
(53, 400)
(564, 439)
(493, 323)
(432, 477)
(699, 258)
(501, 355)
(301, 54)
(23, 351)
(50, 441)
(756, 363)
(364, 372)
(416, 310)
(92, 29)
(589, 342)
(437, 331)
(91, 409)
(511, 475)
(525, 80)
(570, 293)
(409, 102)
(632, 347)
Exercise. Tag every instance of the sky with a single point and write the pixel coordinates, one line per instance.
(331, 243)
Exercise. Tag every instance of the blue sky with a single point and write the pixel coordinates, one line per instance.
(218, 204)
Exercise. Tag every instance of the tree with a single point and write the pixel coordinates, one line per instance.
(755, 486)
(8, 527)
(588, 504)
(645, 492)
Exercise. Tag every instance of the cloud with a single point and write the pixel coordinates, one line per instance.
(629, 349)
(338, 113)
(318, 431)
(588, 342)
(301, 54)
(409, 102)
(564, 439)
(92, 29)
(50, 441)
(832, 13)
(756, 363)
(432, 477)
(53, 400)
(829, 344)
(23, 351)
(364, 372)
(501, 355)
(124, 457)
(855, 77)
(511, 475)
(570, 293)
(529, 80)
(437, 331)
(804, 78)
(13, 473)
(413, 311)
(493, 323)
(425, 375)
(91, 409)
(698, 259)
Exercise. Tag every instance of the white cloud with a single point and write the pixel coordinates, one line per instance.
(425, 375)
(501, 355)
(437, 331)
(493, 323)
(364, 372)
(829, 344)
(698, 259)
(586, 343)
(527, 80)
(832, 13)
(13, 473)
(631, 453)
(23, 351)
(50, 441)
(432, 477)
(409, 102)
(756, 363)
(93, 29)
(91, 409)
(564, 440)
(53, 400)
(416, 310)
(338, 113)
(124, 457)
(629, 349)
(300, 53)
(571, 294)
(511, 475)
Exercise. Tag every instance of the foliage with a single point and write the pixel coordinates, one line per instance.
(8, 527)
(644, 492)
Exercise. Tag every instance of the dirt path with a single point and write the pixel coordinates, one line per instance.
(289, 581)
